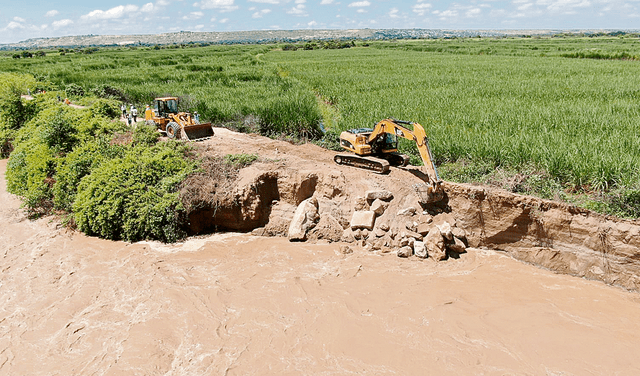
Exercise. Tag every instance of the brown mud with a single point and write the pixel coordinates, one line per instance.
(237, 304)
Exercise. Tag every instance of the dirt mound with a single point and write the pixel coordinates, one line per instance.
(264, 197)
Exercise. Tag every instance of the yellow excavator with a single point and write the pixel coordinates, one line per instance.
(180, 125)
(376, 149)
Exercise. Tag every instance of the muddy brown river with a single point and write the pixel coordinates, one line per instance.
(235, 304)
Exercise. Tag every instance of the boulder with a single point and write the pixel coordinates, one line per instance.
(423, 229)
(412, 226)
(379, 206)
(435, 244)
(304, 218)
(445, 230)
(405, 251)
(411, 234)
(348, 236)
(384, 226)
(363, 219)
(379, 195)
(419, 249)
(459, 233)
(378, 232)
(364, 233)
(457, 246)
(408, 211)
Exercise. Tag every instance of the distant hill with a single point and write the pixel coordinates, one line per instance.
(272, 36)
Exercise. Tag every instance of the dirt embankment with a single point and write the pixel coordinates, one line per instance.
(265, 196)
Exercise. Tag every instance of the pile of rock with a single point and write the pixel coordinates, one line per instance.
(408, 231)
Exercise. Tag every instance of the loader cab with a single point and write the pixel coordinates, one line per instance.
(165, 106)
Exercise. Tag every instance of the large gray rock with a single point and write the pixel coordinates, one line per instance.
(457, 246)
(348, 236)
(459, 233)
(435, 244)
(304, 218)
(364, 219)
(419, 249)
(379, 206)
(405, 251)
(407, 211)
(423, 229)
(379, 195)
(445, 230)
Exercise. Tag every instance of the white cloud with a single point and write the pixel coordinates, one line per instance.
(421, 8)
(473, 12)
(222, 5)
(224, 20)
(275, 2)
(62, 23)
(564, 6)
(14, 25)
(359, 4)
(300, 1)
(312, 24)
(298, 10)
(19, 19)
(51, 13)
(199, 27)
(148, 7)
(326, 2)
(393, 13)
(261, 13)
(361, 11)
(113, 13)
(193, 16)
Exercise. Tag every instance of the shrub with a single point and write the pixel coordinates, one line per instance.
(135, 197)
(74, 89)
(29, 172)
(105, 107)
(77, 164)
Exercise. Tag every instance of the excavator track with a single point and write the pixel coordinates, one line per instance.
(380, 166)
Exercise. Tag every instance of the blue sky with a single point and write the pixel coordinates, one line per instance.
(20, 20)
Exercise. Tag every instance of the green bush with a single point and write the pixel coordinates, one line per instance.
(145, 134)
(29, 172)
(135, 197)
(78, 164)
(108, 108)
(74, 89)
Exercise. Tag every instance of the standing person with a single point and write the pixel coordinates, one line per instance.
(134, 112)
(196, 117)
(148, 113)
(129, 119)
(124, 110)
(131, 109)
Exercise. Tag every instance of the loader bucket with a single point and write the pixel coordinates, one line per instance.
(197, 132)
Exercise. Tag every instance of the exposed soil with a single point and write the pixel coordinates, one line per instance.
(239, 304)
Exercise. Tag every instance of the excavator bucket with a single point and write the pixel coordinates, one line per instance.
(197, 132)
(428, 193)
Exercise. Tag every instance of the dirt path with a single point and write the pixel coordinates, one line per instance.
(236, 304)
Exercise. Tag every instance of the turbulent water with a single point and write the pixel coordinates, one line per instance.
(234, 304)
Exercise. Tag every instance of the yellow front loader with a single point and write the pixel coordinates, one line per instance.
(180, 125)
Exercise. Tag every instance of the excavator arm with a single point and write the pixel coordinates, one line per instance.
(418, 135)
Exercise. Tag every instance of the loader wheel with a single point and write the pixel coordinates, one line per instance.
(173, 130)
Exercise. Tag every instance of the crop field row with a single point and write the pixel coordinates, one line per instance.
(566, 107)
